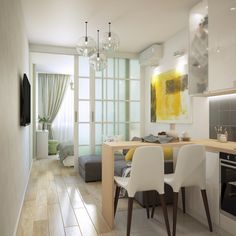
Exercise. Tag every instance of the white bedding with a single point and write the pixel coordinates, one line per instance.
(68, 161)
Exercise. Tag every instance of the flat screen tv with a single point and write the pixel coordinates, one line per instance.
(25, 102)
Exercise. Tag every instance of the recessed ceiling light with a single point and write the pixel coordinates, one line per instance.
(232, 8)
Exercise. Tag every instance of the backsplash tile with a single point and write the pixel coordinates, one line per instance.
(222, 112)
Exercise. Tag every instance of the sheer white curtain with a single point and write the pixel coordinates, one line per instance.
(62, 126)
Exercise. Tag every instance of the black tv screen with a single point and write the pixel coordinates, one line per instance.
(25, 102)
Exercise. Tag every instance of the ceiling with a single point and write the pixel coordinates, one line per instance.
(139, 23)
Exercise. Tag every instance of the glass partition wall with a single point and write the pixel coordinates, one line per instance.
(108, 103)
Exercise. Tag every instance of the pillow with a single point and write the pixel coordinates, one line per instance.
(129, 154)
(168, 153)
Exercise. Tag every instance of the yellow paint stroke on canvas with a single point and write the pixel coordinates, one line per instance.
(168, 106)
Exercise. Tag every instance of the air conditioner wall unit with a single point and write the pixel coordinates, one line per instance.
(151, 56)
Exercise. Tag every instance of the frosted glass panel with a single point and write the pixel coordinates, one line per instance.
(110, 111)
(84, 111)
(104, 111)
(104, 89)
(83, 66)
(134, 69)
(134, 111)
(116, 89)
(98, 134)
(110, 129)
(84, 134)
(98, 111)
(84, 91)
(99, 74)
(98, 150)
(122, 131)
(134, 90)
(116, 68)
(98, 89)
(84, 150)
(122, 72)
(134, 130)
(122, 111)
(110, 68)
(110, 89)
(122, 89)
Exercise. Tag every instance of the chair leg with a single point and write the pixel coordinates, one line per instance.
(175, 205)
(154, 204)
(116, 198)
(129, 217)
(205, 201)
(146, 193)
(183, 199)
(164, 209)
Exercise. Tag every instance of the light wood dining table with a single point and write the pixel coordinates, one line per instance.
(108, 150)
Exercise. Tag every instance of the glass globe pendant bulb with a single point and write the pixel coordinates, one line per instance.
(98, 60)
(86, 45)
(111, 41)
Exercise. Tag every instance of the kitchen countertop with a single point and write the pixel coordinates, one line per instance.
(212, 145)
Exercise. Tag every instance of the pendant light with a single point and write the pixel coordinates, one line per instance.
(110, 41)
(98, 60)
(86, 45)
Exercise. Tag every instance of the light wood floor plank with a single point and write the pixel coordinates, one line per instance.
(73, 231)
(75, 198)
(40, 228)
(56, 227)
(41, 213)
(86, 226)
(67, 211)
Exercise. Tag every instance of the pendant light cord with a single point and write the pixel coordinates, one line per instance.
(86, 33)
(109, 33)
(98, 44)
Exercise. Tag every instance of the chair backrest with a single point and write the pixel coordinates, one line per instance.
(190, 167)
(147, 172)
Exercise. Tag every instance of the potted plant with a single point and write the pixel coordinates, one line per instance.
(44, 120)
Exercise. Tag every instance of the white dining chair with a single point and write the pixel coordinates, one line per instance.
(190, 171)
(147, 173)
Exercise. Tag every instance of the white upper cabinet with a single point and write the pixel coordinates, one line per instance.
(198, 48)
(222, 44)
(212, 47)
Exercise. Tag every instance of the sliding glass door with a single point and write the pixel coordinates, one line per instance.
(107, 103)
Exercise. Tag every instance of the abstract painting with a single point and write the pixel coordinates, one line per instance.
(170, 101)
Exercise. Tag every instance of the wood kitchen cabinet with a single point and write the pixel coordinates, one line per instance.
(222, 44)
(194, 203)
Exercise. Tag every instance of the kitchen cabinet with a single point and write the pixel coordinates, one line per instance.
(222, 44)
(194, 203)
(212, 47)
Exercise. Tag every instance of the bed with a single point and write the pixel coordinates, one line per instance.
(66, 153)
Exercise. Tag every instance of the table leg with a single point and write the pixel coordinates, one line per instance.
(108, 185)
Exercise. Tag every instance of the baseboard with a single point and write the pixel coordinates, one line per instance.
(22, 201)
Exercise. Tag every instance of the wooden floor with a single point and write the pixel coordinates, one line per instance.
(59, 203)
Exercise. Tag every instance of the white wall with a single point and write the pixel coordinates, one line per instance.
(199, 128)
(14, 140)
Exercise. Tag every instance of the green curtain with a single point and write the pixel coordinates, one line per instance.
(51, 91)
